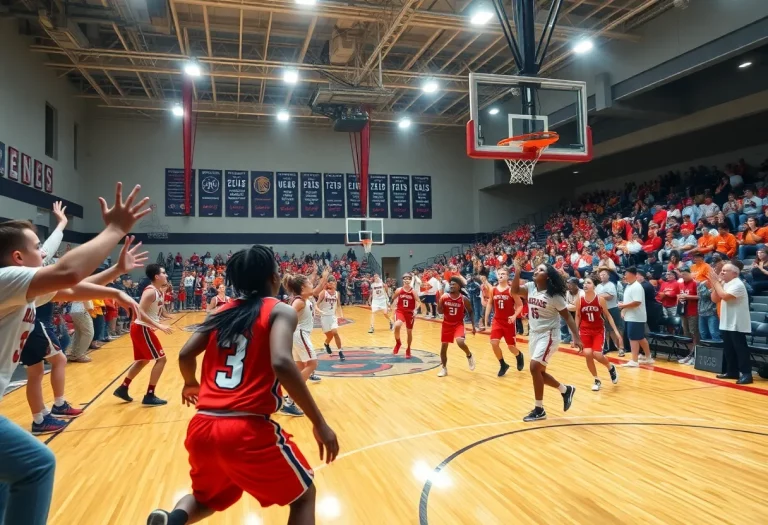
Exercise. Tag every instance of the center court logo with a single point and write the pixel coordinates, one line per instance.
(374, 361)
(261, 185)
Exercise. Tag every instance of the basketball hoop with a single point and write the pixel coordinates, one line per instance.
(532, 144)
(367, 245)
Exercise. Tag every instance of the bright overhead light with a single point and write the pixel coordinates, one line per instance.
(481, 17)
(177, 111)
(283, 115)
(430, 86)
(404, 123)
(583, 46)
(744, 65)
(575, 172)
(192, 69)
(306, 2)
(291, 76)
(493, 111)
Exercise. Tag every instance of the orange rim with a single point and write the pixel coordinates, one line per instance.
(532, 141)
(366, 243)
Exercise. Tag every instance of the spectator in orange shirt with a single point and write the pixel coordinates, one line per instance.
(699, 268)
(706, 244)
(751, 239)
(725, 242)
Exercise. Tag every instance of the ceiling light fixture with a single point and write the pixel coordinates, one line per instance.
(290, 76)
(283, 115)
(430, 86)
(583, 46)
(493, 111)
(306, 2)
(745, 65)
(177, 110)
(481, 17)
(404, 123)
(192, 69)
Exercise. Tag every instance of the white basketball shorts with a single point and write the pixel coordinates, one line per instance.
(543, 345)
(303, 350)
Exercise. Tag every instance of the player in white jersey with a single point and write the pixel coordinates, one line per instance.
(546, 306)
(26, 464)
(329, 308)
(379, 300)
(146, 345)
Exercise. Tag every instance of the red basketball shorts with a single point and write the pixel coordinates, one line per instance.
(451, 332)
(232, 455)
(504, 331)
(146, 345)
(407, 319)
(593, 340)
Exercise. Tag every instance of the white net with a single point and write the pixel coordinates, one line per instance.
(521, 170)
(367, 245)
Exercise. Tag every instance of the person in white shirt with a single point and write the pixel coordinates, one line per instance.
(329, 307)
(735, 324)
(189, 287)
(430, 298)
(751, 206)
(708, 209)
(27, 465)
(634, 315)
(379, 300)
(546, 306)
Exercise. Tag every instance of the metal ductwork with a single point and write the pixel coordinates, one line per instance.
(63, 31)
(343, 41)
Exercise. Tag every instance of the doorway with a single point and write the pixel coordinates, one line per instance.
(390, 267)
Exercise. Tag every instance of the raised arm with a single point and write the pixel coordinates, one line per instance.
(130, 258)
(52, 243)
(79, 263)
(515, 286)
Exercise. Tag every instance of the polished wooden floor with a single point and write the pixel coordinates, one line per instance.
(665, 445)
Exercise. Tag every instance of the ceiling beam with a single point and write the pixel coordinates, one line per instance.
(263, 86)
(210, 48)
(302, 54)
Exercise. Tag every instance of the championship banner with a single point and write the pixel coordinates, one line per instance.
(400, 197)
(175, 194)
(311, 196)
(38, 180)
(48, 180)
(354, 202)
(422, 196)
(13, 163)
(262, 194)
(333, 195)
(26, 169)
(287, 195)
(210, 193)
(236, 193)
(377, 196)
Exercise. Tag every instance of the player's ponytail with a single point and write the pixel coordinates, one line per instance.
(555, 282)
(249, 272)
(294, 283)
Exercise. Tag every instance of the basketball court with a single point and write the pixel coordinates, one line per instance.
(664, 445)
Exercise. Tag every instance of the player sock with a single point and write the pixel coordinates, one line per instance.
(127, 382)
(502, 362)
(38, 418)
(562, 388)
(539, 403)
(46, 411)
(59, 401)
(178, 517)
(597, 378)
(151, 390)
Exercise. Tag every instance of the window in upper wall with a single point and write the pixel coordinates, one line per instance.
(74, 152)
(51, 131)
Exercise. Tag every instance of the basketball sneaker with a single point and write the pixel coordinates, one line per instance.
(50, 425)
(407, 353)
(122, 393)
(370, 330)
(327, 348)
(631, 364)
(537, 414)
(153, 401)
(520, 361)
(443, 372)
(66, 410)
(568, 397)
(503, 369)
(158, 517)
(315, 378)
(471, 362)
(597, 385)
(391, 326)
(341, 356)
(289, 408)
(397, 348)
(614, 374)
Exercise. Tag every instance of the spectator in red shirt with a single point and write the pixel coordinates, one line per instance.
(688, 296)
(659, 215)
(669, 289)
(653, 243)
(687, 227)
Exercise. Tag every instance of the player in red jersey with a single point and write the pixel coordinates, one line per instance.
(407, 302)
(452, 306)
(219, 300)
(589, 319)
(507, 307)
(233, 445)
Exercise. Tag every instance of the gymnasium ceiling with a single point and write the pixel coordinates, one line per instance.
(128, 55)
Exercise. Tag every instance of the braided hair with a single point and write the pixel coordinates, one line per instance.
(250, 273)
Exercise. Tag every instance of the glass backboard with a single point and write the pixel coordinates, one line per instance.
(503, 106)
(359, 229)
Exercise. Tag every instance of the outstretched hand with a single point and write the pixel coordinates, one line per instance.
(130, 258)
(123, 215)
(59, 211)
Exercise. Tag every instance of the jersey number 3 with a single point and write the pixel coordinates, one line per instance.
(232, 377)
